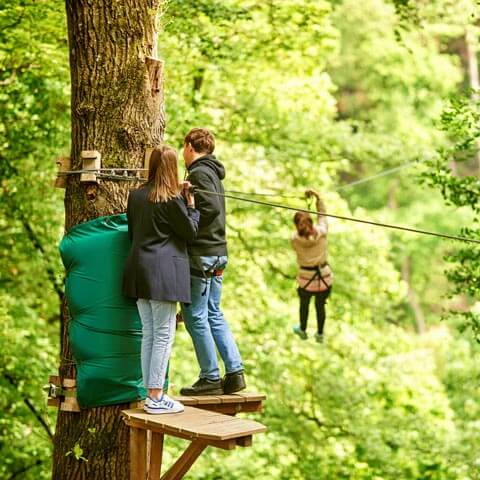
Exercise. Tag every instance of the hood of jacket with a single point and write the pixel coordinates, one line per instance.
(208, 161)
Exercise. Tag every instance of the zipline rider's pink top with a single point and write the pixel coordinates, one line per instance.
(312, 252)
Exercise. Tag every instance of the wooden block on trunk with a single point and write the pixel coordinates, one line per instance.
(54, 379)
(54, 402)
(146, 163)
(63, 164)
(69, 383)
(70, 404)
(91, 160)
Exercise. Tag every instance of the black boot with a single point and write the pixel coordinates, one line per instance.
(233, 382)
(203, 386)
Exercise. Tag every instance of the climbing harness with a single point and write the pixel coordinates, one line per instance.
(198, 271)
(318, 274)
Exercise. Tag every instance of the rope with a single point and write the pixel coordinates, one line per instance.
(285, 207)
(95, 170)
(341, 217)
(265, 194)
(383, 173)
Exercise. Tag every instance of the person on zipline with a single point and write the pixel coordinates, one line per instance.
(161, 219)
(203, 317)
(314, 276)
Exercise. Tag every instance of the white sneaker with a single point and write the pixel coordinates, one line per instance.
(164, 405)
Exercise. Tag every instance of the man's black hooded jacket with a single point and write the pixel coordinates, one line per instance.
(207, 173)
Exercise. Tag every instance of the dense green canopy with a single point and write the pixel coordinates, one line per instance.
(300, 93)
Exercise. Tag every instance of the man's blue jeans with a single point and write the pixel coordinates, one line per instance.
(205, 321)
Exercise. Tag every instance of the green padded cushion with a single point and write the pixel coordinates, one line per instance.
(105, 331)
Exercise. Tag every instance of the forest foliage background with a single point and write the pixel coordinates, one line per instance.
(300, 93)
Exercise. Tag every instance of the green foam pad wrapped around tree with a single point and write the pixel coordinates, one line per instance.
(105, 331)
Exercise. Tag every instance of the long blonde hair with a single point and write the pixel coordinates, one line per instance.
(163, 174)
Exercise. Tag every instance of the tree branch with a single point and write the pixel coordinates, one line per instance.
(32, 236)
(15, 23)
(25, 469)
(31, 407)
(250, 251)
(313, 418)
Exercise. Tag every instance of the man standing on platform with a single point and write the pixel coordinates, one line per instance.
(203, 317)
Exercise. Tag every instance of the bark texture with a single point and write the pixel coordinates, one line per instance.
(117, 109)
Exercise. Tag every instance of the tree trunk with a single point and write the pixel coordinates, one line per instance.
(412, 296)
(471, 43)
(117, 109)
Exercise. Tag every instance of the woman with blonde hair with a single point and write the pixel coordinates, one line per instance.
(161, 219)
(314, 276)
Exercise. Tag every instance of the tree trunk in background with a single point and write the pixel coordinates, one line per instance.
(471, 43)
(392, 194)
(412, 296)
(117, 109)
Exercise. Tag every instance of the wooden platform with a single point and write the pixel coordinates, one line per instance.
(228, 404)
(203, 425)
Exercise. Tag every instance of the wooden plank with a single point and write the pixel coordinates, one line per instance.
(232, 430)
(138, 454)
(69, 382)
(190, 401)
(233, 408)
(197, 422)
(229, 444)
(244, 441)
(63, 164)
(232, 399)
(53, 402)
(194, 423)
(249, 407)
(241, 397)
(156, 455)
(70, 404)
(208, 399)
(252, 397)
(91, 160)
(146, 162)
(225, 408)
(54, 379)
(184, 463)
(171, 418)
(206, 424)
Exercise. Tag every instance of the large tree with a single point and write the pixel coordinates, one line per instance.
(116, 109)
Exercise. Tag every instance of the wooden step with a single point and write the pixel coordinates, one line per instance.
(194, 423)
(229, 404)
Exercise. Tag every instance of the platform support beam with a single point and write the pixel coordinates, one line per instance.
(187, 459)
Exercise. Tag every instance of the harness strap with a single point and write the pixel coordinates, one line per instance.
(318, 273)
(201, 273)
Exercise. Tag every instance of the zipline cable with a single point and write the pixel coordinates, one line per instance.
(265, 194)
(383, 173)
(341, 217)
(286, 207)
